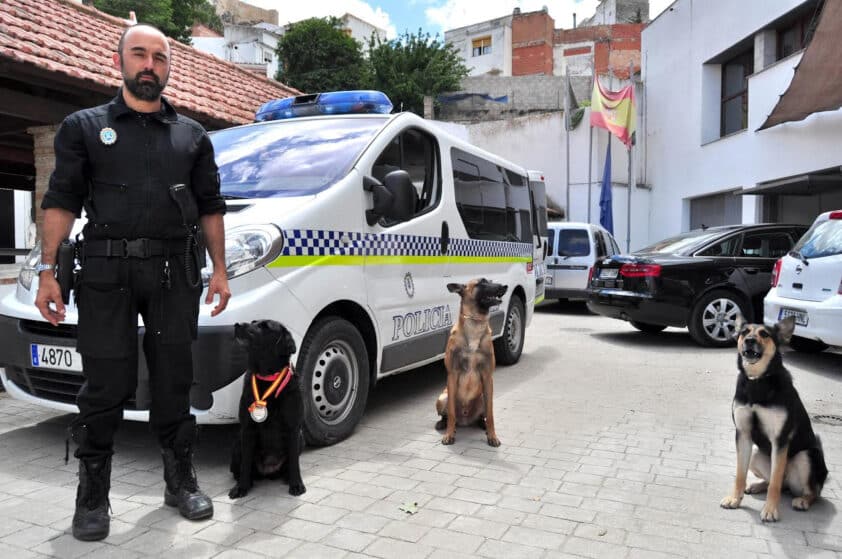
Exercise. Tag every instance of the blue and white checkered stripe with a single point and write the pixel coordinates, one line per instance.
(313, 242)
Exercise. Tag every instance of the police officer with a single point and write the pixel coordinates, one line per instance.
(147, 180)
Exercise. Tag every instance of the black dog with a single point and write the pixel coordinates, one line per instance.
(270, 439)
(768, 412)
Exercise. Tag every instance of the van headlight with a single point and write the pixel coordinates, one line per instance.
(248, 247)
(27, 271)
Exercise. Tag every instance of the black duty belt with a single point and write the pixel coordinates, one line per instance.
(135, 248)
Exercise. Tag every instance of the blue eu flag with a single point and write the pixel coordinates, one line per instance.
(606, 216)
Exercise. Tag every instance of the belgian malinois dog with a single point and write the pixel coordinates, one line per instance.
(768, 412)
(469, 360)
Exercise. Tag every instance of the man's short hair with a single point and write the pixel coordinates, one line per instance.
(129, 28)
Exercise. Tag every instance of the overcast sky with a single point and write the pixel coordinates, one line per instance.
(435, 16)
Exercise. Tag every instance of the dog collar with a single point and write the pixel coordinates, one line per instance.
(469, 317)
(279, 381)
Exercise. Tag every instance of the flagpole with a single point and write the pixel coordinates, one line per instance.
(631, 180)
(567, 138)
(590, 148)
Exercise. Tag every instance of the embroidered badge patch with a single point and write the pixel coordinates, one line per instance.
(107, 136)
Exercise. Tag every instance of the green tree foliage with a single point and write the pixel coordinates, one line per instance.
(173, 17)
(412, 66)
(317, 55)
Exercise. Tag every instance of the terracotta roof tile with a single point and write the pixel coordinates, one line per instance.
(78, 41)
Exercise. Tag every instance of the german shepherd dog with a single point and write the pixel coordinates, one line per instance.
(270, 440)
(768, 413)
(469, 360)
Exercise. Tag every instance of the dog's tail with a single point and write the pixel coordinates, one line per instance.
(818, 470)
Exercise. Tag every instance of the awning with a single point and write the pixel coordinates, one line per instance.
(817, 83)
(799, 185)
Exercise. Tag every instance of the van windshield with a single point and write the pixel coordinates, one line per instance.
(289, 157)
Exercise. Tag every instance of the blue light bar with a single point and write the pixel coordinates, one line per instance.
(329, 103)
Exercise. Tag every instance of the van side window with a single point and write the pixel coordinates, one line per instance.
(493, 201)
(601, 248)
(415, 152)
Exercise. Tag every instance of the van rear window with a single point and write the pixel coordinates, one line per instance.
(290, 157)
(573, 242)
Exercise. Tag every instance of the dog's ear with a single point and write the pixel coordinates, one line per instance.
(456, 287)
(784, 329)
(240, 331)
(285, 342)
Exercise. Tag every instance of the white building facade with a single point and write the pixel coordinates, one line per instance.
(485, 48)
(709, 83)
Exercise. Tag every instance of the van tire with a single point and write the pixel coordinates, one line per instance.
(509, 346)
(334, 369)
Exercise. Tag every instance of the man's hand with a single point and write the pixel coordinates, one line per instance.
(49, 292)
(218, 285)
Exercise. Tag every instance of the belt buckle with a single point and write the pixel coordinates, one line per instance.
(124, 245)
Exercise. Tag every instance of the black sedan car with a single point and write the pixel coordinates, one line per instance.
(700, 280)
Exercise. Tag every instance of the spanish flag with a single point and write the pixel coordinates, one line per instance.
(615, 111)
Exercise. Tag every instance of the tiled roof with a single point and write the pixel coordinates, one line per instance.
(78, 41)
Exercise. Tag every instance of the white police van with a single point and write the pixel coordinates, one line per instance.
(345, 223)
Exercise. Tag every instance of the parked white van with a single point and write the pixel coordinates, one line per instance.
(573, 250)
(345, 223)
(807, 284)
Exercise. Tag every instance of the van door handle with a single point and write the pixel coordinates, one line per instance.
(751, 270)
(445, 237)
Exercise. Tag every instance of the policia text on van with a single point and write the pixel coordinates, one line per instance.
(345, 223)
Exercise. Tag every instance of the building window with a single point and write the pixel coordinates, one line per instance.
(734, 108)
(481, 46)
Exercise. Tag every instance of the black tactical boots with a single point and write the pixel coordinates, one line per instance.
(182, 489)
(91, 521)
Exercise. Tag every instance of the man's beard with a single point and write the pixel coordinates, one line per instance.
(143, 89)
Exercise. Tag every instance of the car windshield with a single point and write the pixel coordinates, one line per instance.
(823, 239)
(289, 157)
(683, 243)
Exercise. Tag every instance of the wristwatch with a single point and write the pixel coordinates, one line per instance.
(44, 267)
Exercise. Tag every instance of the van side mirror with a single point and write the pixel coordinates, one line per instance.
(395, 200)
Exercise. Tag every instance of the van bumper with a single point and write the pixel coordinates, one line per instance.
(217, 361)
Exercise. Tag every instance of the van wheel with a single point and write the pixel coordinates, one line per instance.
(806, 345)
(647, 327)
(334, 369)
(713, 319)
(509, 346)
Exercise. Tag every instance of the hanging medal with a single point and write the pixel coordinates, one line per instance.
(258, 410)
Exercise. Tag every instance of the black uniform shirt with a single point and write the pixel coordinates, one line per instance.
(120, 164)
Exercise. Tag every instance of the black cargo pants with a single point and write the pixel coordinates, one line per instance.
(112, 293)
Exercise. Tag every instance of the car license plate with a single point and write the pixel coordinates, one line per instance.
(55, 357)
(800, 316)
(608, 273)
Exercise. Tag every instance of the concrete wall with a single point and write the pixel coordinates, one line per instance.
(362, 30)
(609, 12)
(212, 45)
(685, 157)
(235, 11)
(526, 94)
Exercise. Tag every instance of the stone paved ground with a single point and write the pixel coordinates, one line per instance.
(615, 444)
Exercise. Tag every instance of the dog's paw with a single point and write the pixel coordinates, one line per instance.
(801, 503)
(730, 502)
(296, 489)
(441, 424)
(448, 439)
(769, 513)
(759, 487)
(493, 441)
(237, 491)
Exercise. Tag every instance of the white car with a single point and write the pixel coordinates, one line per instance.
(807, 284)
(574, 248)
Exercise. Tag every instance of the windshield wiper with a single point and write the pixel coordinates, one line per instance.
(801, 257)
